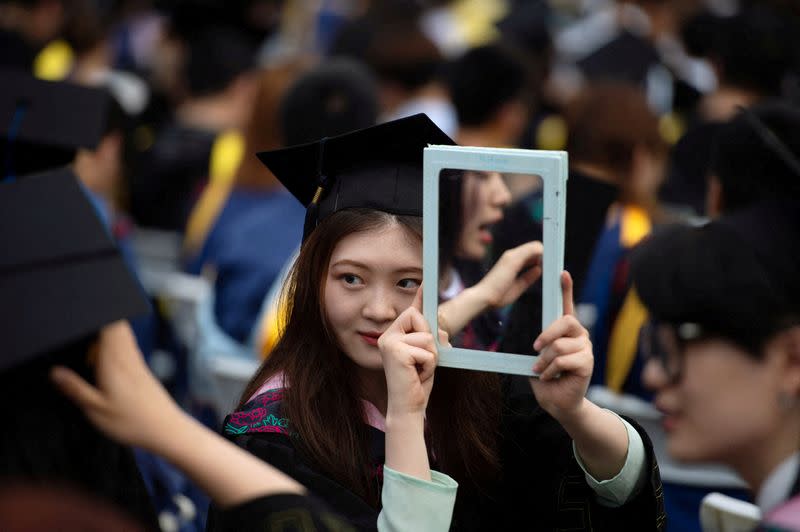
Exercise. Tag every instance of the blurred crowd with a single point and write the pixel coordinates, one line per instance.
(671, 112)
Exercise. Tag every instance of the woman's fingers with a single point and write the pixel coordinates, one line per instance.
(412, 320)
(566, 293)
(423, 340)
(409, 321)
(578, 363)
(528, 251)
(444, 338)
(425, 362)
(86, 396)
(417, 303)
(522, 283)
(567, 325)
(560, 347)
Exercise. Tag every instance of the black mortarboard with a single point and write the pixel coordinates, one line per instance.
(61, 275)
(379, 167)
(736, 276)
(43, 123)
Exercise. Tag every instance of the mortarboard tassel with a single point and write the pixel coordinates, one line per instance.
(313, 208)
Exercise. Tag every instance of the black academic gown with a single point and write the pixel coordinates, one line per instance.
(541, 486)
(281, 513)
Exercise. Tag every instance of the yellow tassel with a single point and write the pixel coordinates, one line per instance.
(54, 62)
(226, 155)
(624, 341)
(317, 195)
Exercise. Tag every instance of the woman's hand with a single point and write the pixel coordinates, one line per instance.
(128, 404)
(565, 362)
(409, 360)
(503, 284)
(565, 367)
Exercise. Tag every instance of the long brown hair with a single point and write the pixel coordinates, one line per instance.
(321, 398)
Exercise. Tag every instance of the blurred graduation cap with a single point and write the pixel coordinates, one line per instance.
(736, 276)
(379, 167)
(61, 275)
(44, 123)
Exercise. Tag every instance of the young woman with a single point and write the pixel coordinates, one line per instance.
(320, 410)
(725, 349)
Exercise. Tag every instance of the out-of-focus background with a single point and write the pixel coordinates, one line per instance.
(634, 90)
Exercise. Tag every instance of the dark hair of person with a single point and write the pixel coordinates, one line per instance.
(333, 98)
(606, 122)
(46, 439)
(735, 277)
(485, 78)
(215, 57)
(392, 45)
(296, 103)
(748, 160)
(450, 216)
(322, 398)
(388, 39)
(753, 49)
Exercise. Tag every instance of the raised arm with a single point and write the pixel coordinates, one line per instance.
(603, 441)
(501, 286)
(129, 405)
(414, 497)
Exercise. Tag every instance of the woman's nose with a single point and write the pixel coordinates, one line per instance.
(501, 195)
(379, 307)
(653, 375)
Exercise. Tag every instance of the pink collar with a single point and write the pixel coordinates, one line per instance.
(374, 417)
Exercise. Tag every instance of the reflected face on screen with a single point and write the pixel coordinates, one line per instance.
(484, 196)
(481, 216)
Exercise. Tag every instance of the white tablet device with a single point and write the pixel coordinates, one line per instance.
(457, 209)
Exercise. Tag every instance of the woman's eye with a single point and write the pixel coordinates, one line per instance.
(351, 279)
(409, 283)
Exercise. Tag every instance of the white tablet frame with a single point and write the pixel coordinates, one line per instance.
(551, 166)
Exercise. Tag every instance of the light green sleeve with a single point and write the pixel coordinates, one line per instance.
(410, 503)
(629, 481)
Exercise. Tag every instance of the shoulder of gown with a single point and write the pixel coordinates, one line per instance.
(260, 428)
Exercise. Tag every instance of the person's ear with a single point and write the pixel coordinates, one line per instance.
(111, 145)
(787, 343)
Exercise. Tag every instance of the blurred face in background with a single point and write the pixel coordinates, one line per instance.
(720, 403)
(647, 172)
(484, 195)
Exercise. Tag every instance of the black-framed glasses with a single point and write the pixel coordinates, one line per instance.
(665, 343)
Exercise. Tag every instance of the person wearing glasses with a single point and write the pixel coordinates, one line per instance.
(722, 347)
(754, 159)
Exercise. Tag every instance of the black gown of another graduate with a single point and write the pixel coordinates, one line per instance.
(280, 513)
(541, 486)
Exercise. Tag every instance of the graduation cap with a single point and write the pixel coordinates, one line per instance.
(379, 167)
(736, 276)
(43, 123)
(61, 275)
